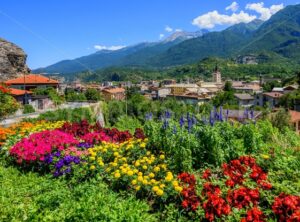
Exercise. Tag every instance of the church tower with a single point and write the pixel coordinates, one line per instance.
(217, 77)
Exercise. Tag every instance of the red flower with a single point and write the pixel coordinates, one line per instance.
(206, 174)
(254, 215)
(287, 207)
(242, 197)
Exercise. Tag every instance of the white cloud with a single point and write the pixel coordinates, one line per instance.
(111, 48)
(265, 13)
(178, 30)
(168, 29)
(161, 36)
(211, 19)
(233, 7)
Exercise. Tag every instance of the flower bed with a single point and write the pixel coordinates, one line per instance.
(238, 190)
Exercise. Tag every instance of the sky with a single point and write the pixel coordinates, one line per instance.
(53, 30)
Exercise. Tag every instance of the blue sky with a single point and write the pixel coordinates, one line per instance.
(53, 30)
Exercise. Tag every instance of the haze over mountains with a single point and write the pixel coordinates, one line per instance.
(280, 36)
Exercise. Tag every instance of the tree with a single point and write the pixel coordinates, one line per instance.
(52, 93)
(281, 119)
(8, 105)
(228, 86)
(92, 95)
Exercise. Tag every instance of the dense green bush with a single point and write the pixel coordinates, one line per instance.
(28, 109)
(30, 197)
(128, 123)
(72, 115)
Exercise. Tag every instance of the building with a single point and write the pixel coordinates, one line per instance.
(295, 120)
(22, 96)
(31, 82)
(290, 88)
(113, 94)
(180, 89)
(270, 98)
(217, 77)
(241, 115)
(244, 100)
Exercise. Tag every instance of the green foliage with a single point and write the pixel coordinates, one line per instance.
(92, 95)
(224, 98)
(281, 119)
(8, 105)
(28, 109)
(74, 96)
(127, 123)
(52, 93)
(71, 115)
(30, 197)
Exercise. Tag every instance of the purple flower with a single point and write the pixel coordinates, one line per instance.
(85, 145)
(49, 159)
(181, 122)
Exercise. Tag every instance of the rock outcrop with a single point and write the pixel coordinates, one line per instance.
(12, 60)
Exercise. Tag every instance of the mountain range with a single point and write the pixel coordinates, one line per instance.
(279, 36)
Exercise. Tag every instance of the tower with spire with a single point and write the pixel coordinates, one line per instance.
(217, 77)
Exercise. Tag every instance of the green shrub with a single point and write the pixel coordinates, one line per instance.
(127, 123)
(71, 115)
(28, 109)
(30, 197)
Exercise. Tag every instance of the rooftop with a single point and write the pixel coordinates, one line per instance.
(114, 90)
(18, 92)
(243, 96)
(273, 94)
(31, 79)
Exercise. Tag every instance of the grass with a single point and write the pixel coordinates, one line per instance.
(31, 197)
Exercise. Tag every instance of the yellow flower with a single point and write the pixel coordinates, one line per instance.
(137, 188)
(140, 174)
(159, 192)
(92, 167)
(145, 167)
(153, 181)
(116, 154)
(137, 164)
(140, 178)
(107, 169)
(143, 145)
(92, 158)
(148, 153)
(130, 173)
(100, 163)
(155, 188)
(175, 183)
(162, 186)
(264, 156)
(124, 170)
(151, 175)
(133, 182)
(145, 182)
(156, 169)
(162, 157)
(117, 175)
(178, 189)
(135, 171)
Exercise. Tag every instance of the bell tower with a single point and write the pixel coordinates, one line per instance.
(217, 77)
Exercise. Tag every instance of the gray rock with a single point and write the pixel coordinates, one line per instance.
(12, 61)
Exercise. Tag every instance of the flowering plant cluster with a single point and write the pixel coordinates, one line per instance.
(287, 208)
(37, 146)
(190, 198)
(130, 165)
(236, 186)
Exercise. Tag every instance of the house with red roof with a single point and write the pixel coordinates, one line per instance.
(113, 94)
(32, 81)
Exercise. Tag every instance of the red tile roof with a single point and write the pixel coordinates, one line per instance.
(31, 79)
(18, 92)
(114, 90)
(273, 94)
(295, 116)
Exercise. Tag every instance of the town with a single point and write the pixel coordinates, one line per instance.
(246, 95)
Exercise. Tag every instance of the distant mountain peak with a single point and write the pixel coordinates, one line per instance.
(182, 35)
